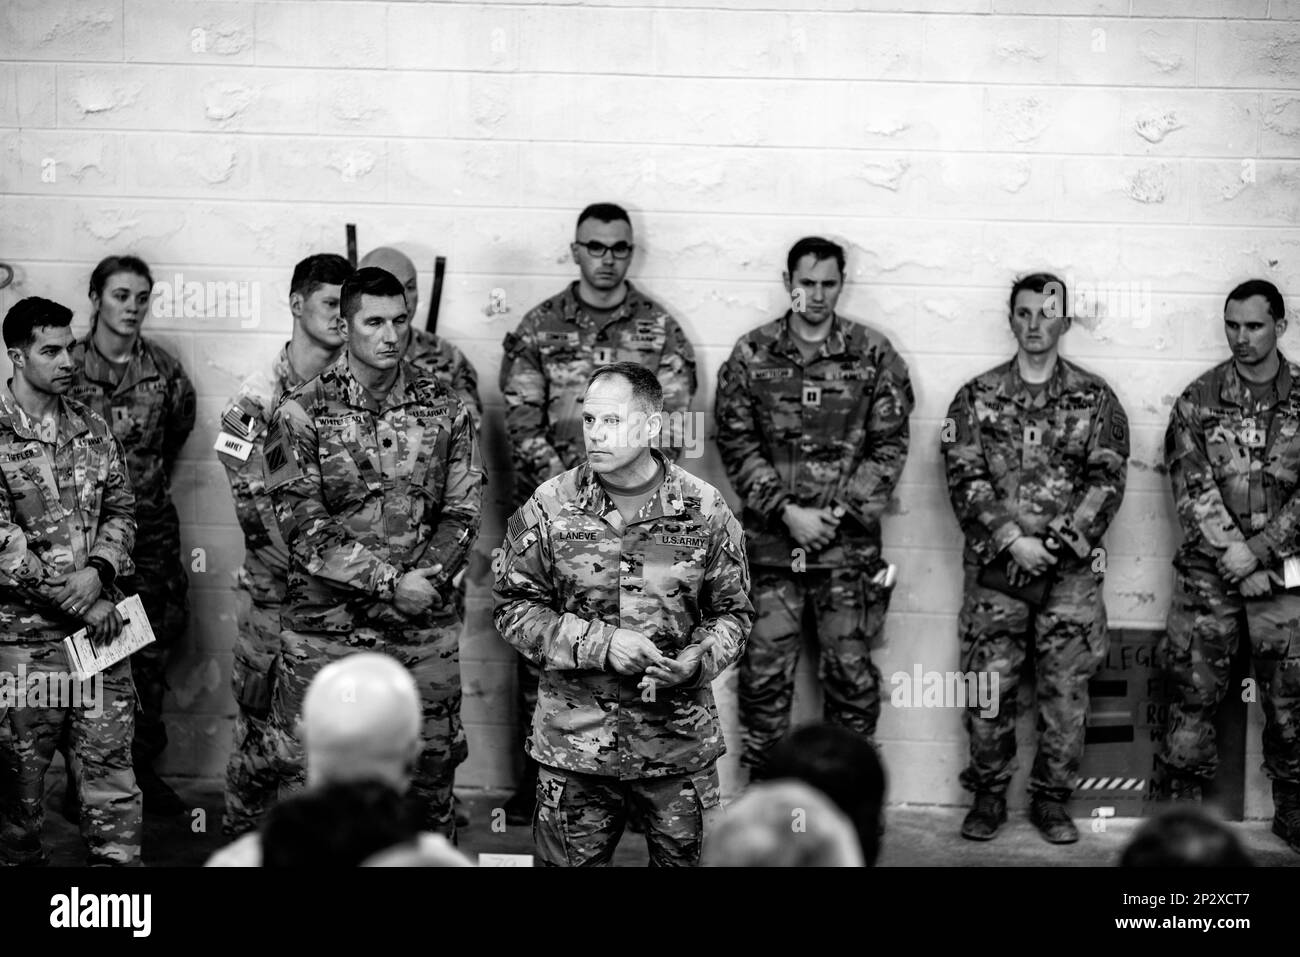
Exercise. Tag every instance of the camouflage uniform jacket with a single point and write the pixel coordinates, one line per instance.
(435, 356)
(572, 572)
(1235, 466)
(266, 557)
(829, 432)
(361, 497)
(1020, 465)
(151, 411)
(61, 504)
(549, 358)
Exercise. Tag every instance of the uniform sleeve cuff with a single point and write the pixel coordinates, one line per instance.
(1005, 534)
(386, 582)
(595, 646)
(1260, 548)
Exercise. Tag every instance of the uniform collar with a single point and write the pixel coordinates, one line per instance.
(285, 376)
(1012, 386)
(835, 344)
(339, 380)
(139, 367)
(1233, 390)
(668, 498)
(575, 312)
(71, 422)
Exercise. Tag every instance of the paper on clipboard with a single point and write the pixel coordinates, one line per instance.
(85, 658)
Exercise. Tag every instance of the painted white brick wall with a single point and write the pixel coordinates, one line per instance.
(950, 145)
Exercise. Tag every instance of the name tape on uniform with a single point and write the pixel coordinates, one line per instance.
(505, 860)
(233, 446)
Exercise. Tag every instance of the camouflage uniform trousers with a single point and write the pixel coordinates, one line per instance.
(251, 779)
(431, 654)
(580, 817)
(163, 587)
(849, 615)
(1069, 641)
(1205, 621)
(99, 735)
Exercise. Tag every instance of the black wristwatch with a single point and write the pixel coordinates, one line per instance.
(107, 573)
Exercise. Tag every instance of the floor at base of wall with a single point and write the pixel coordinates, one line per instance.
(915, 836)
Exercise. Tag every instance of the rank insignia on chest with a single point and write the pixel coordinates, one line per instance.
(121, 416)
(812, 395)
(1033, 434)
(602, 355)
(1252, 436)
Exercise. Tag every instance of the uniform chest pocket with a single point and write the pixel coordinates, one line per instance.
(1073, 427)
(137, 418)
(1226, 454)
(349, 474)
(675, 562)
(559, 350)
(29, 476)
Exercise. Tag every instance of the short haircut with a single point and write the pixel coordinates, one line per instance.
(604, 213)
(1259, 287)
(370, 281)
(112, 265)
(782, 824)
(1185, 836)
(844, 766)
(322, 269)
(818, 248)
(647, 393)
(27, 315)
(1040, 282)
(337, 825)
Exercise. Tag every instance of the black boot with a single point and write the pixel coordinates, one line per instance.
(1286, 813)
(1052, 820)
(988, 813)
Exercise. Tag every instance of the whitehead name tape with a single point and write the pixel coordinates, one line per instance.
(85, 658)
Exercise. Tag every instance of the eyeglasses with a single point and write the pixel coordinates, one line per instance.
(595, 250)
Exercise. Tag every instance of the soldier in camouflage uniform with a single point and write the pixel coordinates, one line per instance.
(375, 475)
(625, 580)
(144, 393)
(812, 413)
(67, 525)
(1233, 453)
(598, 319)
(429, 352)
(251, 775)
(1036, 451)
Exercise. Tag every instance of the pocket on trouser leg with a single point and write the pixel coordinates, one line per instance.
(1274, 626)
(550, 831)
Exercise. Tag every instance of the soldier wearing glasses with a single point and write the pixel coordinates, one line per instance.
(599, 319)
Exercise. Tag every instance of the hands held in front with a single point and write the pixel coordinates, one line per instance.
(810, 527)
(1259, 583)
(632, 653)
(76, 591)
(1032, 558)
(1237, 561)
(103, 622)
(414, 594)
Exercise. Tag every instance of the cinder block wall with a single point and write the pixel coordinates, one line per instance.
(950, 145)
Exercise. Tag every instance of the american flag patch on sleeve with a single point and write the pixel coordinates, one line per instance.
(238, 423)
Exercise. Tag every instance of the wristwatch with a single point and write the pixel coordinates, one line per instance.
(107, 573)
